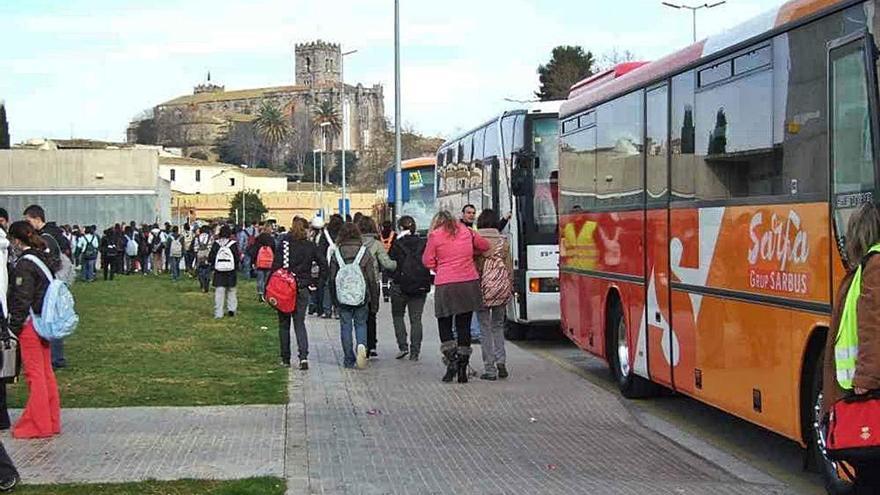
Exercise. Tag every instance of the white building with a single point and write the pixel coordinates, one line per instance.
(192, 176)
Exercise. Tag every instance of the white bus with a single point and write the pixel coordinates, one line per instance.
(510, 164)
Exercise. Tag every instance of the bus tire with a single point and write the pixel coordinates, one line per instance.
(631, 385)
(834, 484)
(515, 331)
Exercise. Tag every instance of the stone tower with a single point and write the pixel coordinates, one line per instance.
(318, 64)
(4, 128)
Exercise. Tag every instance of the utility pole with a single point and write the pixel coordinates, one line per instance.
(398, 178)
(694, 9)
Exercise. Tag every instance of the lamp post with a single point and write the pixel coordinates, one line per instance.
(324, 126)
(343, 103)
(398, 174)
(243, 196)
(315, 168)
(694, 9)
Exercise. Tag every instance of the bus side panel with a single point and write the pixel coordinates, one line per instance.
(569, 306)
(657, 312)
(749, 282)
(749, 359)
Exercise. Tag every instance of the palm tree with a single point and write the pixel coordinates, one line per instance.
(273, 127)
(325, 112)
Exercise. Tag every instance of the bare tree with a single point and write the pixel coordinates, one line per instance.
(615, 56)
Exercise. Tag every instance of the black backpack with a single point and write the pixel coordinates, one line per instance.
(411, 275)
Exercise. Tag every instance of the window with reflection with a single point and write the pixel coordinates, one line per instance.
(656, 144)
(577, 174)
(681, 143)
(619, 151)
(491, 145)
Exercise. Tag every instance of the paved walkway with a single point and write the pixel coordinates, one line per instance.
(165, 443)
(392, 429)
(396, 429)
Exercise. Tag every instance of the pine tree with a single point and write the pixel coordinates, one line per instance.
(567, 66)
(4, 128)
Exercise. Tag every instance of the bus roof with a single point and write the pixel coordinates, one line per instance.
(534, 107)
(425, 161)
(785, 16)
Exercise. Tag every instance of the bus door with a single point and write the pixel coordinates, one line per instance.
(656, 345)
(852, 92)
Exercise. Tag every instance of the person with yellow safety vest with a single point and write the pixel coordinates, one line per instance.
(852, 350)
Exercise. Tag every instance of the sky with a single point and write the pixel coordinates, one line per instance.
(85, 68)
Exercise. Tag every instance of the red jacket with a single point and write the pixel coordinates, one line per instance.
(452, 257)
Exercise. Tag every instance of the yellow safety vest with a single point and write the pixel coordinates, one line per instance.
(846, 348)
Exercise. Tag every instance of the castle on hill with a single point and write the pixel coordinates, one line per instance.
(196, 122)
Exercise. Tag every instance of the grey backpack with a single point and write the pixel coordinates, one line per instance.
(351, 287)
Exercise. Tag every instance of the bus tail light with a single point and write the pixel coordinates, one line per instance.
(543, 285)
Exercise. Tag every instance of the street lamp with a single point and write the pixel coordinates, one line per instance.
(243, 196)
(315, 168)
(398, 173)
(324, 126)
(343, 103)
(694, 9)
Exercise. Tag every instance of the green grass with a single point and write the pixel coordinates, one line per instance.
(147, 341)
(254, 486)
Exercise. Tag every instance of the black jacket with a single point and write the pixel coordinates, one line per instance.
(225, 279)
(414, 245)
(55, 231)
(264, 239)
(27, 288)
(297, 257)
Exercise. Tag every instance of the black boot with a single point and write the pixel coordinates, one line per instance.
(464, 356)
(450, 356)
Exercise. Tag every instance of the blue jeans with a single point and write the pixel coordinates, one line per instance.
(56, 347)
(88, 271)
(262, 278)
(327, 300)
(175, 267)
(475, 327)
(348, 316)
(246, 266)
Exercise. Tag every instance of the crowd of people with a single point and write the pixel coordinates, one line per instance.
(341, 268)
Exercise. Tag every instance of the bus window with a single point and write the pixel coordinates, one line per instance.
(682, 132)
(478, 144)
(852, 155)
(545, 141)
(619, 151)
(518, 131)
(577, 181)
(656, 145)
(491, 146)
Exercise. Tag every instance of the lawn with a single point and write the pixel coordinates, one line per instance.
(148, 341)
(254, 486)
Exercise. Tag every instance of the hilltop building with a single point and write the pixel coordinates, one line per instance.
(196, 122)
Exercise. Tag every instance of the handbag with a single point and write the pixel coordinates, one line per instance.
(10, 355)
(854, 428)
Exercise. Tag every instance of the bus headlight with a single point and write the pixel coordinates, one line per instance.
(544, 285)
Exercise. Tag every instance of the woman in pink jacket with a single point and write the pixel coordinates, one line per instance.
(450, 253)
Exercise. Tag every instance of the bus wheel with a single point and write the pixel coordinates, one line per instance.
(515, 331)
(835, 483)
(631, 385)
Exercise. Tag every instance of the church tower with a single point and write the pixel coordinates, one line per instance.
(318, 64)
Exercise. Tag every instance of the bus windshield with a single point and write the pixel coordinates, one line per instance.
(544, 141)
(419, 204)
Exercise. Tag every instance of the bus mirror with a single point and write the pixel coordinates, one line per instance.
(522, 160)
(519, 181)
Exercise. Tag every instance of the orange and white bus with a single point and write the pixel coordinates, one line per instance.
(703, 199)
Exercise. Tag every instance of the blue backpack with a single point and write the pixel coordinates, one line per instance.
(58, 318)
